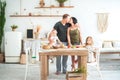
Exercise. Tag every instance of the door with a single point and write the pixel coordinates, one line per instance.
(13, 43)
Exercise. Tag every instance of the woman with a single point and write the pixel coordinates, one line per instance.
(74, 37)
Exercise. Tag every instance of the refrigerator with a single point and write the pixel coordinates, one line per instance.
(13, 42)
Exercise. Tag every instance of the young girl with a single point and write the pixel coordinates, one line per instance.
(53, 39)
(91, 50)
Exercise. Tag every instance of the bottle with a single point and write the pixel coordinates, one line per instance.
(33, 59)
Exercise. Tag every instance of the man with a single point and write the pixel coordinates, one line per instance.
(61, 28)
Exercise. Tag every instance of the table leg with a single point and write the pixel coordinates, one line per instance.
(82, 61)
(79, 61)
(44, 67)
(47, 65)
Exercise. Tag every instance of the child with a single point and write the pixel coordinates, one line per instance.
(53, 41)
(91, 50)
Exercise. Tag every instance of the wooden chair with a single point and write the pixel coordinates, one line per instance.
(94, 65)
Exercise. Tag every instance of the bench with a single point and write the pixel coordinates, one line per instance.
(110, 47)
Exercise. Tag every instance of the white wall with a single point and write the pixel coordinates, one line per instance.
(84, 10)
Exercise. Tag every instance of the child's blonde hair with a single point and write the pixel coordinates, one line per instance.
(54, 31)
(89, 37)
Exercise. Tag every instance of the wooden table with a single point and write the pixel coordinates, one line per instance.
(44, 54)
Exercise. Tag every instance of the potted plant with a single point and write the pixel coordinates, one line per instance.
(14, 27)
(80, 70)
(77, 74)
(2, 23)
(42, 3)
(61, 2)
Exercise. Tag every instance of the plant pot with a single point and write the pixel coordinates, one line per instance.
(36, 36)
(61, 4)
(13, 29)
(74, 76)
(42, 4)
(2, 57)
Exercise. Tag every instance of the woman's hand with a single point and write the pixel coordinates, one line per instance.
(69, 45)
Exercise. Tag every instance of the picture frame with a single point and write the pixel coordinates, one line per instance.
(29, 33)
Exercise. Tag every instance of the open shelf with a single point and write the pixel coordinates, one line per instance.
(55, 7)
(36, 16)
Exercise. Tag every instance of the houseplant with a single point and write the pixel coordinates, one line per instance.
(77, 74)
(2, 23)
(61, 2)
(80, 70)
(14, 27)
(42, 3)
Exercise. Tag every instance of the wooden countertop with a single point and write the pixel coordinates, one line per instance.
(64, 51)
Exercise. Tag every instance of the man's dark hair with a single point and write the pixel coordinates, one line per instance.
(65, 16)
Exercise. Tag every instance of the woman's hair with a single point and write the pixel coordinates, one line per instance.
(74, 20)
(87, 40)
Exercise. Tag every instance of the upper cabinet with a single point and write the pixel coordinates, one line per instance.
(45, 8)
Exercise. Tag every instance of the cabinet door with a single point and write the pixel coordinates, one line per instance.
(13, 43)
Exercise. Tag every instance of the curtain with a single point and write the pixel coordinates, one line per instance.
(102, 22)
